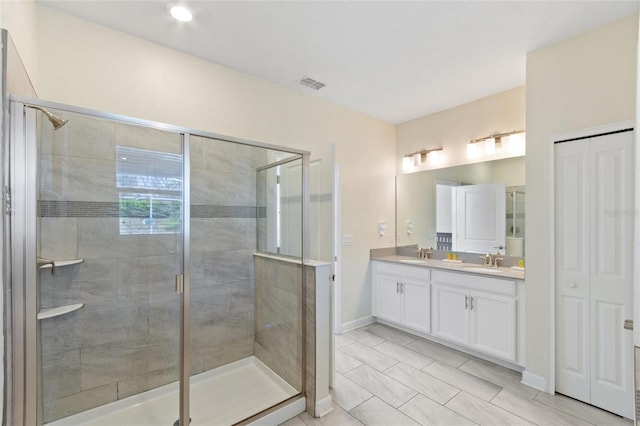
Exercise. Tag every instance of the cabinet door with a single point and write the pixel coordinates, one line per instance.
(416, 305)
(493, 324)
(450, 313)
(387, 298)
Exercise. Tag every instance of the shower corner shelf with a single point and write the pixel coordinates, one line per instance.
(61, 263)
(58, 310)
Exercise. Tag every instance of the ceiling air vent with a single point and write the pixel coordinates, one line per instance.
(311, 83)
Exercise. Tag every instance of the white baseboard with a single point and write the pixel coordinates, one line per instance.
(534, 381)
(324, 406)
(360, 322)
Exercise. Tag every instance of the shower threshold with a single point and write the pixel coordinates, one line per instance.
(222, 396)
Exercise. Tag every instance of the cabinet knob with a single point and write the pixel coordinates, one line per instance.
(571, 284)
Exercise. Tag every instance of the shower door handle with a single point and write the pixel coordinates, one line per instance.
(179, 284)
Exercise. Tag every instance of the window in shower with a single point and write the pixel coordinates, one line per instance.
(149, 184)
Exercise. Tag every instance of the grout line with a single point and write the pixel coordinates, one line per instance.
(349, 411)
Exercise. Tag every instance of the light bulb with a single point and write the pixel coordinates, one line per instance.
(416, 159)
(181, 13)
(434, 157)
(490, 146)
(516, 142)
(407, 162)
(472, 150)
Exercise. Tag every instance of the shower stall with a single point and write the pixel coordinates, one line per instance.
(156, 272)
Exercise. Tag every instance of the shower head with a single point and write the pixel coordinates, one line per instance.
(54, 119)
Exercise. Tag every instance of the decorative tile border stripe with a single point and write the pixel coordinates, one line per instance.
(48, 208)
(209, 211)
(78, 209)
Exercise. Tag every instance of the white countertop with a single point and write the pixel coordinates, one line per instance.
(456, 267)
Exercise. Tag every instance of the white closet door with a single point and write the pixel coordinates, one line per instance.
(480, 218)
(611, 272)
(594, 283)
(572, 269)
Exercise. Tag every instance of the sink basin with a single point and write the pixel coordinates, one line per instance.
(421, 262)
(482, 270)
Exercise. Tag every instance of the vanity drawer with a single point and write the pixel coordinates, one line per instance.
(476, 282)
(409, 271)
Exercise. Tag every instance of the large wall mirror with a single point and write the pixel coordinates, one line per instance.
(456, 207)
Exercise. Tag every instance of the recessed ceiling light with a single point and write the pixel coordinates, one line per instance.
(181, 12)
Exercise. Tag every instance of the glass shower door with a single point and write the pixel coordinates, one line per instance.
(110, 219)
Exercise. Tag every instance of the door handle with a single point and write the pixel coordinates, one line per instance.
(466, 302)
(628, 324)
(571, 284)
(180, 284)
(471, 304)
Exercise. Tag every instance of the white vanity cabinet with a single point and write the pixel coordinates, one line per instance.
(475, 311)
(401, 295)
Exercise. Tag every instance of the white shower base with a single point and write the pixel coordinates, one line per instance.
(223, 396)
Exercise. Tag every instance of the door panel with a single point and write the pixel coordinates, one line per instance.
(493, 319)
(416, 305)
(388, 298)
(608, 343)
(480, 217)
(612, 272)
(572, 273)
(450, 313)
(594, 281)
(113, 207)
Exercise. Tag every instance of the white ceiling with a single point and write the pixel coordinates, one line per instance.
(392, 60)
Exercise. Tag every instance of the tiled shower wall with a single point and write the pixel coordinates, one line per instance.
(278, 322)
(125, 339)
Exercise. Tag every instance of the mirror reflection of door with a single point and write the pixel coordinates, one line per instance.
(480, 213)
(444, 213)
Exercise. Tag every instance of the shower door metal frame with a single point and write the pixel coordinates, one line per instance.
(185, 305)
(20, 182)
(22, 348)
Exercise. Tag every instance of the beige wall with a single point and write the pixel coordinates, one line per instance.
(111, 71)
(452, 129)
(587, 81)
(19, 18)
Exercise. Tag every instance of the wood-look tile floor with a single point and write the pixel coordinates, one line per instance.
(390, 378)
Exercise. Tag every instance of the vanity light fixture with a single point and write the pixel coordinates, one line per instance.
(416, 159)
(180, 12)
(514, 142)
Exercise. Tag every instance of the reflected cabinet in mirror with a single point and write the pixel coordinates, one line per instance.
(474, 207)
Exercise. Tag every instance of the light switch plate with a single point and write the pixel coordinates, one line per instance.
(347, 240)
